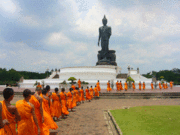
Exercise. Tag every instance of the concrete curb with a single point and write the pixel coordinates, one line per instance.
(115, 124)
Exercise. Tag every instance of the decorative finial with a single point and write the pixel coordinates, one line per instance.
(104, 18)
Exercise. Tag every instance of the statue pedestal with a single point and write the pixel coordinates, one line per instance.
(108, 58)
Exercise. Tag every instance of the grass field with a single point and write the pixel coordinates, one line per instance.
(148, 120)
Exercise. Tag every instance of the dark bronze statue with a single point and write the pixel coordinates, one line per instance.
(104, 35)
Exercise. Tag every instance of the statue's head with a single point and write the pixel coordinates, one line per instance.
(104, 20)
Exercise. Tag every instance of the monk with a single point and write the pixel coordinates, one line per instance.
(152, 86)
(133, 86)
(82, 95)
(74, 98)
(28, 116)
(144, 86)
(160, 87)
(171, 84)
(91, 92)
(125, 86)
(98, 86)
(164, 87)
(36, 100)
(79, 83)
(117, 86)
(108, 86)
(10, 115)
(88, 96)
(48, 120)
(70, 99)
(56, 104)
(120, 86)
(64, 102)
(77, 96)
(2, 122)
(38, 85)
(139, 85)
(72, 86)
(96, 92)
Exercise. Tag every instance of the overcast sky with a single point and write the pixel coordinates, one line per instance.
(40, 34)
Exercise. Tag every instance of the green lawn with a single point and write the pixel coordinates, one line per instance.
(148, 120)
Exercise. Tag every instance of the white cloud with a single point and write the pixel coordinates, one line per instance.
(8, 6)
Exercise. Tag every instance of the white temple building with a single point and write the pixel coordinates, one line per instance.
(89, 74)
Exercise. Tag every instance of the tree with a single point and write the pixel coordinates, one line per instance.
(72, 79)
(129, 80)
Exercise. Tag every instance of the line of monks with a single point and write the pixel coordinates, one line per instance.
(119, 86)
(37, 113)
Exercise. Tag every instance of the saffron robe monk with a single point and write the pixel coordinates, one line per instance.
(144, 86)
(88, 96)
(133, 86)
(72, 86)
(117, 86)
(164, 87)
(139, 85)
(160, 87)
(38, 85)
(77, 96)
(98, 86)
(120, 86)
(10, 115)
(152, 86)
(48, 120)
(70, 99)
(171, 84)
(108, 86)
(96, 92)
(2, 122)
(28, 116)
(91, 92)
(74, 98)
(125, 86)
(36, 100)
(56, 104)
(82, 95)
(79, 83)
(64, 102)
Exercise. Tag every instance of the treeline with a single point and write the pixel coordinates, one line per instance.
(12, 76)
(167, 75)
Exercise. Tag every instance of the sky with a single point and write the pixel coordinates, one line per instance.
(36, 35)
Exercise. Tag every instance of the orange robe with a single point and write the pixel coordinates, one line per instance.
(164, 87)
(56, 106)
(11, 128)
(77, 95)
(64, 104)
(69, 100)
(79, 83)
(133, 85)
(96, 92)
(82, 95)
(171, 84)
(48, 121)
(91, 92)
(152, 86)
(88, 96)
(74, 98)
(39, 86)
(125, 86)
(160, 87)
(117, 86)
(98, 86)
(73, 87)
(108, 87)
(44, 129)
(25, 111)
(139, 86)
(120, 86)
(144, 86)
